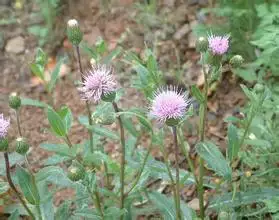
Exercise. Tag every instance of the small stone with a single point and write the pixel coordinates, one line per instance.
(192, 40)
(185, 29)
(15, 45)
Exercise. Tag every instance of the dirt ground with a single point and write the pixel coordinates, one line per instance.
(175, 42)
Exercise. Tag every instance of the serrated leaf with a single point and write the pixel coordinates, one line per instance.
(53, 174)
(233, 142)
(243, 198)
(214, 159)
(55, 74)
(27, 186)
(197, 94)
(56, 123)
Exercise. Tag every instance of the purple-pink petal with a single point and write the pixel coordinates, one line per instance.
(169, 104)
(4, 126)
(218, 45)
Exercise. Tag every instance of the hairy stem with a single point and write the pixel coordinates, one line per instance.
(202, 112)
(122, 162)
(8, 174)
(87, 103)
(176, 150)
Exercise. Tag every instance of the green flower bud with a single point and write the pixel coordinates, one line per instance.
(74, 33)
(236, 61)
(4, 144)
(172, 122)
(110, 97)
(22, 146)
(107, 118)
(202, 44)
(259, 88)
(14, 101)
(76, 172)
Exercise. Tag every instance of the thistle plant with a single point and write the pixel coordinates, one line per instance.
(132, 182)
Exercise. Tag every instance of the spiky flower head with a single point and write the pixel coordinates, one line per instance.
(218, 45)
(98, 83)
(4, 126)
(169, 105)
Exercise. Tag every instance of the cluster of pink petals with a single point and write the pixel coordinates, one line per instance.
(98, 81)
(4, 126)
(169, 104)
(218, 45)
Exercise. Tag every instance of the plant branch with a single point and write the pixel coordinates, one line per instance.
(176, 150)
(122, 162)
(8, 174)
(87, 103)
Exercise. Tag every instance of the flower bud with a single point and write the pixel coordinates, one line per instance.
(14, 101)
(74, 33)
(172, 122)
(107, 118)
(108, 97)
(201, 44)
(259, 88)
(4, 144)
(22, 146)
(217, 181)
(76, 172)
(236, 61)
(248, 173)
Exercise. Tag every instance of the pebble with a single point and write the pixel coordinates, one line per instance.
(15, 45)
(185, 29)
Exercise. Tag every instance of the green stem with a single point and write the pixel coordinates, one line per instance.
(87, 103)
(176, 150)
(141, 170)
(122, 162)
(96, 200)
(170, 176)
(202, 112)
(8, 174)
(28, 165)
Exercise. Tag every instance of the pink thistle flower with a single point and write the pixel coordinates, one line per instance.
(99, 81)
(4, 126)
(169, 104)
(218, 45)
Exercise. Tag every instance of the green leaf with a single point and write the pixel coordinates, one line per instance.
(88, 213)
(46, 204)
(60, 149)
(55, 74)
(63, 211)
(167, 206)
(32, 102)
(233, 142)
(56, 123)
(54, 175)
(214, 159)
(15, 215)
(113, 54)
(14, 158)
(3, 187)
(37, 70)
(251, 196)
(27, 186)
(114, 213)
(66, 114)
(141, 118)
(104, 132)
(197, 94)
(129, 126)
